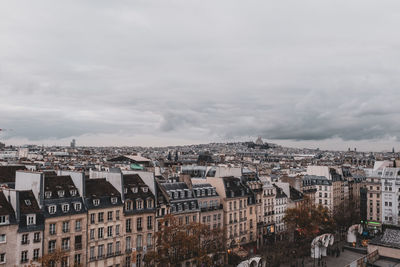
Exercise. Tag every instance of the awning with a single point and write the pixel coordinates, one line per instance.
(136, 167)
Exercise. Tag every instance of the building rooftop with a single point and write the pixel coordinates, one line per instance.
(7, 173)
(60, 187)
(5, 206)
(28, 203)
(390, 238)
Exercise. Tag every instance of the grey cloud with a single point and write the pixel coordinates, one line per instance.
(200, 70)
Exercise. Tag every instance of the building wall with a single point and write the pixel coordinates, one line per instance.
(59, 235)
(374, 203)
(393, 253)
(147, 244)
(9, 246)
(29, 247)
(236, 212)
(94, 241)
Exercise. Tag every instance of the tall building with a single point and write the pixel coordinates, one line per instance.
(8, 233)
(139, 213)
(63, 210)
(105, 224)
(73, 143)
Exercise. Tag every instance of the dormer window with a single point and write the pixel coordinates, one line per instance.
(134, 189)
(52, 209)
(145, 189)
(60, 193)
(4, 219)
(149, 203)
(47, 194)
(114, 200)
(96, 202)
(65, 207)
(139, 204)
(73, 192)
(27, 202)
(128, 205)
(78, 206)
(30, 219)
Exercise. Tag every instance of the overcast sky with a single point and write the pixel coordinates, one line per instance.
(301, 73)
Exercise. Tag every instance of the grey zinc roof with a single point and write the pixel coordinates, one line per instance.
(390, 238)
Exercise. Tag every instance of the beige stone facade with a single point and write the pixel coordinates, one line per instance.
(105, 236)
(8, 243)
(68, 234)
(374, 203)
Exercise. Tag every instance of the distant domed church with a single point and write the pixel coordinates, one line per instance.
(259, 141)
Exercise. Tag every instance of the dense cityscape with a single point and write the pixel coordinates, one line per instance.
(218, 204)
(187, 133)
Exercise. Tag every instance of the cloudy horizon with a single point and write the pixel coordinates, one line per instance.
(156, 73)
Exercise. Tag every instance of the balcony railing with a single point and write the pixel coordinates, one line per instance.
(78, 246)
(109, 255)
(203, 209)
(24, 260)
(139, 249)
(65, 230)
(36, 240)
(92, 258)
(65, 248)
(24, 242)
(128, 250)
(139, 228)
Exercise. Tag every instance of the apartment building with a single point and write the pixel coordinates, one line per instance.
(374, 202)
(30, 227)
(181, 201)
(280, 206)
(139, 212)
(8, 233)
(268, 211)
(211, 209)
(162, 204)
(105, 224)
(65, 220)
(323, 190)
(256, 216)
(390, 195)
(236, 199)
